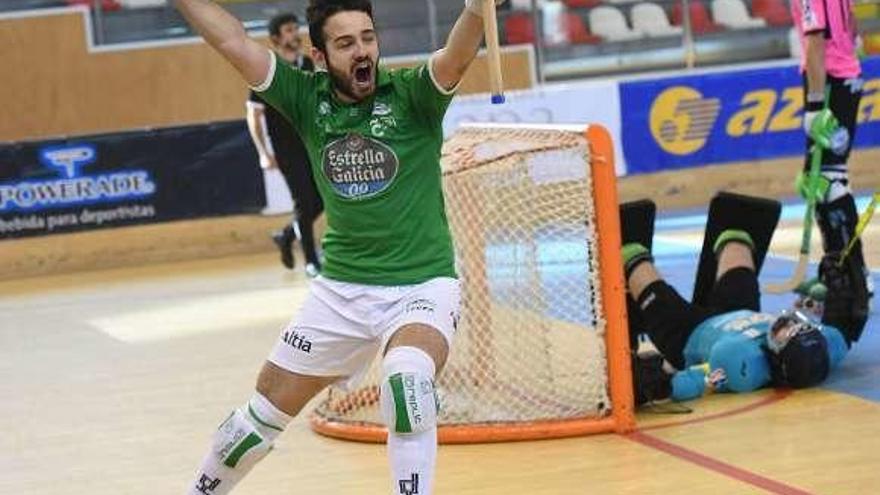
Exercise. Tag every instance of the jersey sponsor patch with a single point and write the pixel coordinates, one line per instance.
(359, 167)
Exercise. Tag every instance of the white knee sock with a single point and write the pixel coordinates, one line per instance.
(239, 443)
(413, 455)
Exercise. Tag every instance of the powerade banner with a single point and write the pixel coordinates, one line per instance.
(722, 117)
(128, 178)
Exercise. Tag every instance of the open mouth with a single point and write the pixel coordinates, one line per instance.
(363, 74)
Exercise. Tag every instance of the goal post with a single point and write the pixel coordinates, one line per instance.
(541, 349)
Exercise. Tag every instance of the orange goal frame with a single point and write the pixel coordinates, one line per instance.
(613, 289)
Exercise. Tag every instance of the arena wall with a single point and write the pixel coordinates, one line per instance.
(56, 82)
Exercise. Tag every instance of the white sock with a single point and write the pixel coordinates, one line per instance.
(259, 415)
(412, 456)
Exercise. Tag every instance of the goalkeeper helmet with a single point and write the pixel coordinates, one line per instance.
(798, 351)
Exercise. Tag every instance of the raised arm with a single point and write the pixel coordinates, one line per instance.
(451, 61)
(227, 35)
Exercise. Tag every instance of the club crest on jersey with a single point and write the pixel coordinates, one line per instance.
(380, 109)
(359, 167)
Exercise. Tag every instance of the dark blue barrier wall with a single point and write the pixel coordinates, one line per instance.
(128, 178)
(729, 116)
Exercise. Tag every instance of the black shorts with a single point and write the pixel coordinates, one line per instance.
(669, 319)
(844, 104)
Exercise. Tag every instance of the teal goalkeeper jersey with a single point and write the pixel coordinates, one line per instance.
(377, 167)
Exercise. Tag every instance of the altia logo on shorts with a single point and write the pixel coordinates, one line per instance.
(681, 119)
(359, 167)
(297, 341)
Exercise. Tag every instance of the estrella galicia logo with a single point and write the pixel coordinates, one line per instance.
(681, 119)
(74, 187)
(359, 167)
(68, 158)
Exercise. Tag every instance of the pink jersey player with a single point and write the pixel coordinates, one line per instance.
(835, 19)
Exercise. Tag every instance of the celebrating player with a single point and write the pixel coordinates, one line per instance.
(723, 341)
(388, 282)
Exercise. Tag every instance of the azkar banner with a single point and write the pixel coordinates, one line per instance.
(128, 178)
(726, 117)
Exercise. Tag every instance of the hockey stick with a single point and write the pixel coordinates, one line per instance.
(864, 220)
(800, 270)
(493, 53)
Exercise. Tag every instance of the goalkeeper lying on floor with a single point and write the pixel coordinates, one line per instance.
(721, 341)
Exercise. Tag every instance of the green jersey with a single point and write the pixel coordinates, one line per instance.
(377, 167)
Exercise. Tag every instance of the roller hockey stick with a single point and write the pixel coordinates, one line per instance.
(864, 220)
(493, 53)
(803, 262)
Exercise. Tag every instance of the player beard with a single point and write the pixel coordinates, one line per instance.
(346, 81)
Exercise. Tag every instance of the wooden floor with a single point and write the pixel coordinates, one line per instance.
(113, 381)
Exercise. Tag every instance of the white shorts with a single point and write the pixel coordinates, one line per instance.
(341, 326)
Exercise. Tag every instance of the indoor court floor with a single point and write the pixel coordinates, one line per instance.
(113, 382)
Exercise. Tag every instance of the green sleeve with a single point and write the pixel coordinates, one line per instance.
(426, 97)
(291, 91)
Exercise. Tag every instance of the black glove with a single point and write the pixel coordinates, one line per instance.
(650, 382)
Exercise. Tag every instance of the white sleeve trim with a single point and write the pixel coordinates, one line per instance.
(440, 89)
(269, 77)
(255, 105)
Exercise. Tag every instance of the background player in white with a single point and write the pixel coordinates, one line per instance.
(388, 282)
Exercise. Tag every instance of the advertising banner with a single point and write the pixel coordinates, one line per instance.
(729, 116)
(128, 178)
(579, 103)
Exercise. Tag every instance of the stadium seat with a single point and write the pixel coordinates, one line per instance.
(650, 19)
(735, 15)
(519, 28)
(609, 23)
(106, 5)
(142, 4)
(581, 4)
(775, 12)
(701, 23)
(577, 31)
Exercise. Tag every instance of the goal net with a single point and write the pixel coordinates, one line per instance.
(541, 349)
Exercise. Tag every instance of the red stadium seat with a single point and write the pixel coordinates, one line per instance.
(701, 23)
(519, 28)
(106, 5)
(775, 12)
(577, 31)
(573, 4)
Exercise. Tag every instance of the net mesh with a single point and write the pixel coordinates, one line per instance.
(530, 344)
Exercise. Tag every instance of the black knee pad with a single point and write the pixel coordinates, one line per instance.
(668, 319)
(736, 289)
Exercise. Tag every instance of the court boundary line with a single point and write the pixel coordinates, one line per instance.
(776, 396)
(715, 465)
